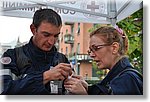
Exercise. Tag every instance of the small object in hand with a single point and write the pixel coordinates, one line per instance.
(69, 77)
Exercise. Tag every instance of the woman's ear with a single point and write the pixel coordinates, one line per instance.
(115, 47)
(33, 29)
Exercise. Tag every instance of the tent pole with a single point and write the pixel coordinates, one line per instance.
(112, 11)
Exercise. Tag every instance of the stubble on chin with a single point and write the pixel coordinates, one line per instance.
(47, 48)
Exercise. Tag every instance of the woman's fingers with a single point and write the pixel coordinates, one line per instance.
(77, 76)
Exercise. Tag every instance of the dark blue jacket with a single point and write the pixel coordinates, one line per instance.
(121, 80)
(31, 75)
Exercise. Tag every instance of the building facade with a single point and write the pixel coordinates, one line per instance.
(74, 43)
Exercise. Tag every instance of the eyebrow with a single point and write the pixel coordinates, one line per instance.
(50, 33)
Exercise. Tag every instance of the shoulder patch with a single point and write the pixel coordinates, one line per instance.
(5, 60)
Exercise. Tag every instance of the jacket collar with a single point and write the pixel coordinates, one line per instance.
(37, 52)
(121, 65)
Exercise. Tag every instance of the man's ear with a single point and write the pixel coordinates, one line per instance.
(33, 29)
(115, 47)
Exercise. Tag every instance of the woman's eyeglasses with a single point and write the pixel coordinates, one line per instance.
(96, 48)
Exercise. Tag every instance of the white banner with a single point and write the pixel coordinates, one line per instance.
(91, 11)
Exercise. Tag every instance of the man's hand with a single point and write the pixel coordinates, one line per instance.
(59, 72)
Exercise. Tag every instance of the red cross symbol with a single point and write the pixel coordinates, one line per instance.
(93, 7)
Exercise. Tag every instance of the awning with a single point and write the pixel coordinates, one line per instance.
(89, 11)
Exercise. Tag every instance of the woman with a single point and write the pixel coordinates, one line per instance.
(108, 47)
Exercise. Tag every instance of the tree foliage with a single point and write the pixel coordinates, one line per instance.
(133, 26)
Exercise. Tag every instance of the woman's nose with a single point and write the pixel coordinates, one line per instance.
(92, 54)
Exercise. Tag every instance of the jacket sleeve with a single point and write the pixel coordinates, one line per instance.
(98, 89)
(94, 90)
(32, 83)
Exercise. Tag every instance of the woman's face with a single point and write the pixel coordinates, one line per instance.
(101, 52)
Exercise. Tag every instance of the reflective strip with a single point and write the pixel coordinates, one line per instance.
(24, 75)
(8, 72)
(5, 72)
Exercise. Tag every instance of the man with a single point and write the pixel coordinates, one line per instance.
(38, 67)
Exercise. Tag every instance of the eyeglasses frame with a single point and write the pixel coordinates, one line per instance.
(97, 47)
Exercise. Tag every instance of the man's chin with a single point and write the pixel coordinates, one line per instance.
(46, 49)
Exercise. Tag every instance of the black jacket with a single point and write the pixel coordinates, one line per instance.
(31, 74)
(121, 80)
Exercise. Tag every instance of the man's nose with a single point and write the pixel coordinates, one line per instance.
(51, 40)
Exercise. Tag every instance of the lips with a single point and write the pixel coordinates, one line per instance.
(97, 62)
(48, 46)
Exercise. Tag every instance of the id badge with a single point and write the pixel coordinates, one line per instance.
(54, 87)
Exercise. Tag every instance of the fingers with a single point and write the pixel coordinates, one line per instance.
(77, 76)
(61, 71)
(68, 87)
(64, 73)
(66, 67)
(76, 79)
(75, 86)
(71, 81)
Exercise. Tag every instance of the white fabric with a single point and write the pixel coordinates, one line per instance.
(90, 11)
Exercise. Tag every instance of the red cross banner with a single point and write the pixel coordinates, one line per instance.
(90, 11)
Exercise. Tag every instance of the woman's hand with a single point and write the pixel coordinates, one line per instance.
(76, 85)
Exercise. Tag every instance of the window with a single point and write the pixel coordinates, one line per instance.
(61, 37)
(78, 29)
(78, 48)
(72, 27)
(66, 31)
(66, 50)
(94, 25)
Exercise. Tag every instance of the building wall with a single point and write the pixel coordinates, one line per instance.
(62, 44)
(86, 70)
(81, 38)
(86, 38)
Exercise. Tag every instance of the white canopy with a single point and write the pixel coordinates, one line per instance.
(90, 11)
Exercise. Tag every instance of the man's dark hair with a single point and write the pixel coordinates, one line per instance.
(47, 15)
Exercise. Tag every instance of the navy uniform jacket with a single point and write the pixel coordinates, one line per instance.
(119, 81)
(31, 76)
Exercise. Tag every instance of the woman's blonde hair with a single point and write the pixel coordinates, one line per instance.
(110, 35)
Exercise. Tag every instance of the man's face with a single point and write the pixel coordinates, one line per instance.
(45, 36)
